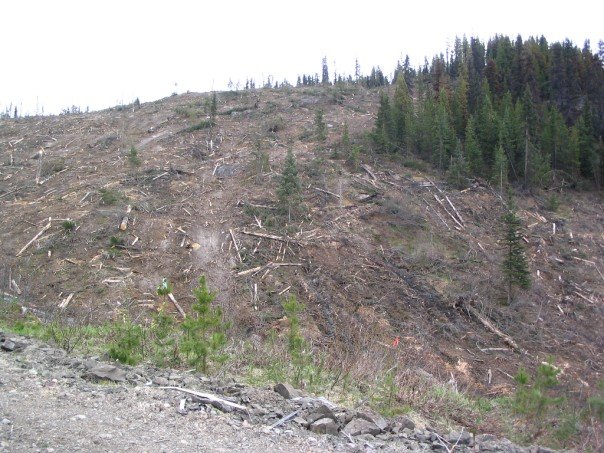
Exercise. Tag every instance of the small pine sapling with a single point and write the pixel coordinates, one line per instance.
(320, 126)
(515, 266)
(344, 147)
(289, 188)
(205, 332)
(295, 341)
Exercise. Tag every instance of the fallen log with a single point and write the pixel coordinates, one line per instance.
(447, 211)
(124, 223)
(489, 325)
(455, 210)
(235, 244)
(66, 301)
(327, 192)
(273, 237)
(212, 399)
(177, 305)
(268, 266)
(369, 172)
(40, 233)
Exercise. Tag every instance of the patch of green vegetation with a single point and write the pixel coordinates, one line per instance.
(353, 158)
(553, 203)
(275, 125)
(204, 333)
(127, 343)
(68, 226)
(187, 111)
(116, 241)
(306, 135)
(203, 124)
(243, 108)
(414, 164)
(52, 166)
(111, 196)
(133, 157)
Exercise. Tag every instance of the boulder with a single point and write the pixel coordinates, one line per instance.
(379, 421)
(358, 426)
(325, 426)
(322, 411)
(287, 391)
(109, 372)
(161, 381)
(459, 438)
(10, 345)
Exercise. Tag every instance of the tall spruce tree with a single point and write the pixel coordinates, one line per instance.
(325, 72)
(473, 152)
(458, 169)
(402, 115)
(444, 134)
(320, 126)
(499, 172)
(382, 134)
(514, 266)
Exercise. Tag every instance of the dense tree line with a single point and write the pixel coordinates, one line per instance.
(508, 110)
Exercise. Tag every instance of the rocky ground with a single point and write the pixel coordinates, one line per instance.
(51, 401)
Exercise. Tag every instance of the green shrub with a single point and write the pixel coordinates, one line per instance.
(164, 338)
(111, 197)
(535, 395)
(275, 125)
(69, 226)
(116, 241)
(353, 158)
(290, 188)
(553, 203)
(203, 124)
(127, 345)
(295, 341)
(320, 126)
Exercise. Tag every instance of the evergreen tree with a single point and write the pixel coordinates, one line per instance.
(473, 152)
(587, 144)
(459, 106)
(289, 191)
(486, 125)
(324, 72)
(382, 134)
(530, 121)
(458, 170)
(320, 126)
(426, 114)
(344, 147)
(213, 107)
(514, 265)
(402, 115)
(499, 172)
(357, 70)
(444, 134)
(205, 332)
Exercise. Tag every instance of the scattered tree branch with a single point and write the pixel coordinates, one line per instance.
(40, 233)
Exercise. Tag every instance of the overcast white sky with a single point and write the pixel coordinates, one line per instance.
(58, 53)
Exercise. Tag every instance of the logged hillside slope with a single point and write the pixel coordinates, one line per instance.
(384, 252)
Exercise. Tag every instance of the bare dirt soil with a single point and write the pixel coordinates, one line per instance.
(383, 252)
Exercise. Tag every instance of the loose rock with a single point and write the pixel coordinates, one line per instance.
(321, 412)
(287, 391)
(359, 426)
(110, 372)
(325, 426)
